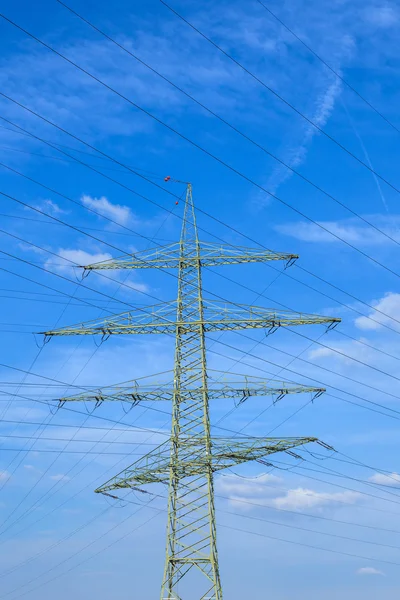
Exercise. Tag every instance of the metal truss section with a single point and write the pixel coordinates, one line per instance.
(239, 391)
(155, 466)
(217, 316)
(211, 255)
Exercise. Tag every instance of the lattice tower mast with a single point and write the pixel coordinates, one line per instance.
(188, 461)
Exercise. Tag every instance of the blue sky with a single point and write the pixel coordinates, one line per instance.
(48, 510)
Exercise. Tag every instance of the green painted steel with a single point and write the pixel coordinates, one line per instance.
(188, 460)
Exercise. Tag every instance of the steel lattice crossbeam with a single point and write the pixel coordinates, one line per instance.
(188, 460)
(211, 255)
(216, 317)
(226, 452)
(235, 390)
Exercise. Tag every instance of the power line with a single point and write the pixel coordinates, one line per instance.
(219, 297)
(272, 91)
(211, 155)
(203, 106)
(165, 209)
(332, 70)
(319, 366)
(78, 552)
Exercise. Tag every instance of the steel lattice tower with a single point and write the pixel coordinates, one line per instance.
(188, 460)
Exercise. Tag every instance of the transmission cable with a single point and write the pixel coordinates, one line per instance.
(122, 47)
(319, 57)
(200, 210)
(266, 86)
(232, 169)
(216, 295)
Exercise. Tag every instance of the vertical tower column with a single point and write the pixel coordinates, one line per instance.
(191, 532)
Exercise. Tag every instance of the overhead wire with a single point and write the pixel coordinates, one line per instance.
(214, 114)
(374, 308)
(219, 160)
(91, 543)
(328, 66)
(291, 355)
(60, 451)
(276, 94)
(314, 364)
(216, 295)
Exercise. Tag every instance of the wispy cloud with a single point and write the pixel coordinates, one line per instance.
(59, 477)
(120, 213)
(265, 489)
(75, 257)
(389, 304)
(382, 16)
(233, 485)
(4, 475)
(369, 571)
(392, 480)
(51, 207)
(350, 230)
(302, 498)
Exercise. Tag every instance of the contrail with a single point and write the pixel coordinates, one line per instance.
(366, 157)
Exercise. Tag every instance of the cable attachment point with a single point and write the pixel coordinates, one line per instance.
(109, 495)
(332, 326)
(318, 394)
(266, 463)
(246, 394)
(40, 346)
(296, 456)
(326, 446)
(104, 338)
(282, 394)
(85, 272)
(46, 339)
(272, 329)
(98, 400)
(289, 263)
(136, 399)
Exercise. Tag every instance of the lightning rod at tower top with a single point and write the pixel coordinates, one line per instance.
(188, 460)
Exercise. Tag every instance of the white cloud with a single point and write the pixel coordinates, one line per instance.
(59, 477)
(369, 571)
(349, 230)
(392, 479)
(120, 213)
(382, 16)
(32, 468)
(241, 490)
(52, 208)
(240, 486)
(389, 305)
(301, 498)
(76, 257)
(4, 475)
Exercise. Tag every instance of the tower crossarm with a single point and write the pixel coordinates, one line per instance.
(239, 391)
(210, 255)
(155, 466)
(228, 452)
(217, 316)
(160, 318)
(224, 316)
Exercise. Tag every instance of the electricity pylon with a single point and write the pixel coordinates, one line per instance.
(188, 460)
